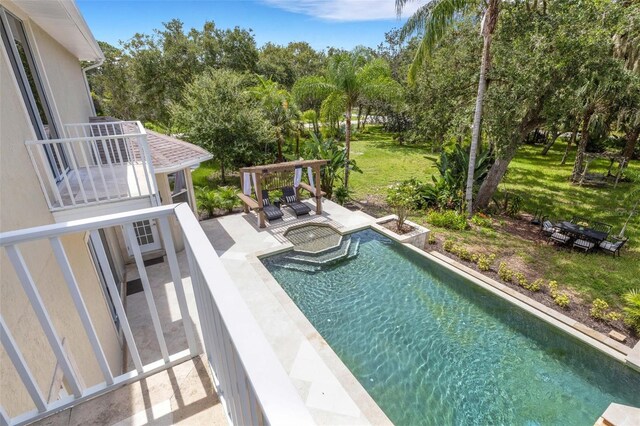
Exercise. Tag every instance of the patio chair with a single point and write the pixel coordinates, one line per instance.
(271, 211)
(583, 244)
(559, 237)
(291, 200)
(602, 227)
(581, 221)
(613, 248)
(537, 218)
(547, 227)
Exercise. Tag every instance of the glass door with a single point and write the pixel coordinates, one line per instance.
(14, 39)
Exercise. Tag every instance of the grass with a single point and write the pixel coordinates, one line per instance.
(384, 161)
(208, 175)
(542, 183)
(539, 180)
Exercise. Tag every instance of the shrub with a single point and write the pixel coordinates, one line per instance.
(504, 272)
(520, 279)
(343, 194)
(227, 198)
(614, 316)
(562, 300)
(535, 285)
(553, 288)
(449, 219)
(401, 198)
(207, 200)
(482, 220)
(448, 245)
(463, 253)
(632, 309)
(599, 309)
(484, 262)
(432, 238)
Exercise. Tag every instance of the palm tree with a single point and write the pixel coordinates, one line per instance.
(350, 78)
(278, 108)
(434, 18)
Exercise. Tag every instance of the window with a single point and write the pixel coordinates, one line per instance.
(14, 40)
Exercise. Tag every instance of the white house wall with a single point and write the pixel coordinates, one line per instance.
(22, 205)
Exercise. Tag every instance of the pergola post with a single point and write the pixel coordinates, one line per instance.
(245, 207)
(261, 218)
(621, 165)
(316, 172)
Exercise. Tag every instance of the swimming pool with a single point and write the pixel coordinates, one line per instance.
(431, 347)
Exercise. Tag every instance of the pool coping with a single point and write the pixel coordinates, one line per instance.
(352, 386)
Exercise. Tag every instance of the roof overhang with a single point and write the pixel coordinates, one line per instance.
(62, 20)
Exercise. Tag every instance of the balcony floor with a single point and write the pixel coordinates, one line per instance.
(182, 395)
(120, 181)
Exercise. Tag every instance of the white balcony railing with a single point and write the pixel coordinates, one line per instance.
(249, 379)
(96, 163)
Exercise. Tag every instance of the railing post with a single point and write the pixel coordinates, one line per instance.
(155, 319)
(30, 289)
(11, 347)
(83, 313)
(174, 267)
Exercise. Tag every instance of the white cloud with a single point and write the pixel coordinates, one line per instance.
(346, 10)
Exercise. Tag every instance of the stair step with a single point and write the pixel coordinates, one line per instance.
(339, 253)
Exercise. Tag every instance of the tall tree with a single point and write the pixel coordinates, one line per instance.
(278, 108)
(219, 114)
(434, 18)
(349, 78)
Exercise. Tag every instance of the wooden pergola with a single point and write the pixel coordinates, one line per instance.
(270, 177)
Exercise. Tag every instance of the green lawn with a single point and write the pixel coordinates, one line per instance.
(542, 183)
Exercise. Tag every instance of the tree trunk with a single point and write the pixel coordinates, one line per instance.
(582, 146)
(572, 141)
(298, 144)
(477, 119)
(280, 142)
(347, 145)
(359, 115)
(632, 138)
(494, 177)
(366, 117)
(554, 137)
(222, 176)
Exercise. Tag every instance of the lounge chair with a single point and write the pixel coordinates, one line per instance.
(613, 248)
(559, 237)
(290, 199)
(547, 227)
(271, 211)
(583, 244)
(537, 218)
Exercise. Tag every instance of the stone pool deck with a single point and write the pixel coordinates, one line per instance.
(330, 391)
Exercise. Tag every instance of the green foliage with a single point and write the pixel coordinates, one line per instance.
(552, 286)
(505, 273)
(342, 195)
(219, 114)
(632, 309)
(448, 245)
(329, 149)
(482, 220)
(600, 310)
(401, 198)
(431, 240)
(520, 279)
(449, 219)
(562, 300)
(462, 252)
(535, 285)
(223, 198)
(484, 262)
(286, 64)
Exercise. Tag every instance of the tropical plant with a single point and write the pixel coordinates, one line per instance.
(278, 108)
(349, 78)
(342, 195)
(207, 200)
(335, 154)
(227, 198)
(433, 19)
(562, 300)
(631, 309)
(632, 200)
(504, 272)
(447, 219)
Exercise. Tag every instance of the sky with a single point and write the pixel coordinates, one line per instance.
(322, 23)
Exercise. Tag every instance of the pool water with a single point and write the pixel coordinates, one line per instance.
(432, 348)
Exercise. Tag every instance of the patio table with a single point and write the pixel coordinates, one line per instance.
(582, 231)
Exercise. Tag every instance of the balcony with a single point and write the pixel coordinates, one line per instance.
(95, 165)
(180, 337)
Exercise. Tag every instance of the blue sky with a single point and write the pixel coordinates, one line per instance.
(322, 23)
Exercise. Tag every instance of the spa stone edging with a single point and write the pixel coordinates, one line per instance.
(417, 237)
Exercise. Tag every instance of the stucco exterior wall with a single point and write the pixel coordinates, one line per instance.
(22, 205)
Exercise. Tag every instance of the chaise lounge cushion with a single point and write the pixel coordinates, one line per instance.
(291, 200)
(270, 211)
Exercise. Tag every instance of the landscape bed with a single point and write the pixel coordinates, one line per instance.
(431, 347)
